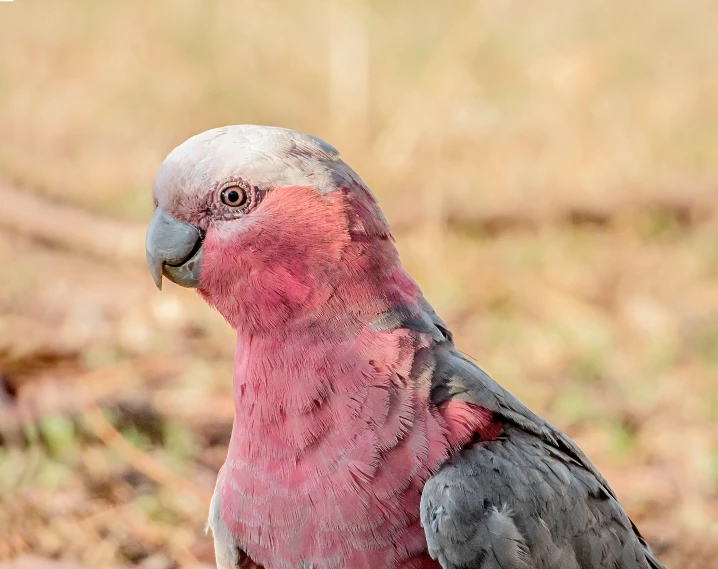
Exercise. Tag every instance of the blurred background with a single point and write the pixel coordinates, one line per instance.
(550, 170)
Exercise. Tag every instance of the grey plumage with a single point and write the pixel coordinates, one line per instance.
(529, 499)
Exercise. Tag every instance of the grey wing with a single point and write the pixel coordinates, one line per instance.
(528, 499)
(516, 503)
(562, 505)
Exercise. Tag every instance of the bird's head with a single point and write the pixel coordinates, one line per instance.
(270, 224)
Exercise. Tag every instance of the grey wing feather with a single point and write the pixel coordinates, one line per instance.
(530, 499)
(510, 503)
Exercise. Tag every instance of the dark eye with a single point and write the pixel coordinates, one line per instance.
(234, 196)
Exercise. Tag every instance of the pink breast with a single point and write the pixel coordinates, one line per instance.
(332, 476)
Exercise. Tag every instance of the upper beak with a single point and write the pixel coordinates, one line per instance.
(173, 249)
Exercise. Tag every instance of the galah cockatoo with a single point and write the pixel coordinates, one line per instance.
(362, 439)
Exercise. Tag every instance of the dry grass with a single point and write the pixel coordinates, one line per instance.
(606, 325)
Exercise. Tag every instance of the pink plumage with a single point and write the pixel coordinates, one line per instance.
(333, 436)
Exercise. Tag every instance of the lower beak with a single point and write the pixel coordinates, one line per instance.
(174, 249)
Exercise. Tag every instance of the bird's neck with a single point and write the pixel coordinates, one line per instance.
(294, 382)
(292, 390)
(330, 431)
(321, 349)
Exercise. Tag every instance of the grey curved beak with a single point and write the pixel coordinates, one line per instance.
(173, 249)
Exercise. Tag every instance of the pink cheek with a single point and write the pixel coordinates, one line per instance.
(219, 261)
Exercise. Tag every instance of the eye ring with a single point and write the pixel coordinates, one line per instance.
(234, 196)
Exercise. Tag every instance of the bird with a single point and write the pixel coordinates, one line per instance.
(362, 438)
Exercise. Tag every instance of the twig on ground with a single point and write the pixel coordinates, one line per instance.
(71, 228)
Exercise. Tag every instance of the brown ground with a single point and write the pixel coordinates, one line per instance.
(551, 172)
